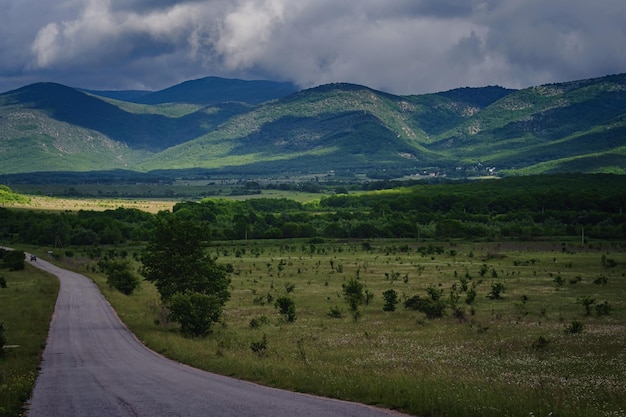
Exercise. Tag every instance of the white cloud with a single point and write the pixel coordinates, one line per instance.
(247, 30)
(402, 46)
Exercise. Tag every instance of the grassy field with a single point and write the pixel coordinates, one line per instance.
(46, 203)
(177, 191)
(533, 351)
(43, 203)
(26, 307)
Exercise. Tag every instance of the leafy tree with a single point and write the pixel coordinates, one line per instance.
(195, 312)
(497, 289)
(586, 301)
(12, 259)
(391, 299)
(187, 278)
(120, 276)
(176, 261)
(287, 307)
(353, 293)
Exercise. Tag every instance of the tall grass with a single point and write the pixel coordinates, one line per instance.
(26, 307)
(495, 357)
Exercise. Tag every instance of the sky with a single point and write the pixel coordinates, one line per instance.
(398, 46)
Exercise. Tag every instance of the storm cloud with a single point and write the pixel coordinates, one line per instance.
(399, 46)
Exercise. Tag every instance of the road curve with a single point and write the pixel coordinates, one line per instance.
(93, 366)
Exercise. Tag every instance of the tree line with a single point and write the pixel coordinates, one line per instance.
(511, 208)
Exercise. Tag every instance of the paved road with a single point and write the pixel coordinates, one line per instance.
(93, 366)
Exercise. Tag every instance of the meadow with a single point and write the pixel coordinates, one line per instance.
(527, 328)
(510, 293)
(26, 306)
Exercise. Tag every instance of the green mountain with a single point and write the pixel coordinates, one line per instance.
(239, 128)
(207, 91)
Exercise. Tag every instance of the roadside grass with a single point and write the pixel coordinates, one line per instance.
(510, 356)
(26, 308)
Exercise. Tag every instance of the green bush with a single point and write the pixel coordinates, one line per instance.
(432, 308)
(259, 347)
(354, 294)
(603, 309)
(12, 259)
(497, 289)
(391, 299)
(335, 313)
(586, 302)
(575, 327)
(287, 307)
(120, 276)
(257, 322)
(195, 312)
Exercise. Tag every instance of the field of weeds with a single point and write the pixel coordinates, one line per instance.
(522, 328)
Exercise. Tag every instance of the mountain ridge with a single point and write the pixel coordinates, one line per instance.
(577, 126)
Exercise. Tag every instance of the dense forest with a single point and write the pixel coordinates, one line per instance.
(520, 208)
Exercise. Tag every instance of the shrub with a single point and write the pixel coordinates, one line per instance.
(608, 262)
(470, 296)
(601, 280)
(574, 327)
(195, 312)
(586, 301)
(540, 343)
(458, 313)
(431, 308)
(335, 313)
(558, 281)
(353, 293)
(259, 347)
(391, 299)
(287, 307)
(497, 288)
(257, 322)
(120, 276)
(603, 309)
(12, 259)
(434, 293)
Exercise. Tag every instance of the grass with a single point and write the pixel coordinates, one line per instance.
(507, 357)
(146, 197)
(26, 307)
(75, 204)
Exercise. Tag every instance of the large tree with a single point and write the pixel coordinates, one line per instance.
(177, 262)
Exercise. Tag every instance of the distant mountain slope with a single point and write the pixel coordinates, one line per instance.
(576, 126)
(31, 141)
(125, 95)
(543, 123)
(146, 131)
(340, 126)
(215, 90)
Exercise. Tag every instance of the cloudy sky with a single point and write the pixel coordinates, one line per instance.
(399, 46)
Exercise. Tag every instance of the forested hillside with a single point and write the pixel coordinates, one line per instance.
(251, 129)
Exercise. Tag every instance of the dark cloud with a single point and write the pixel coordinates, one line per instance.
(401, 46)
